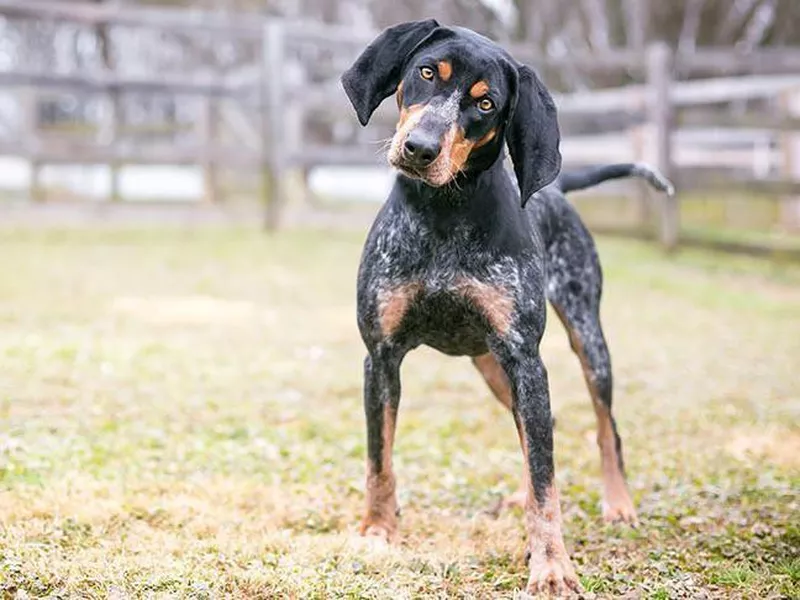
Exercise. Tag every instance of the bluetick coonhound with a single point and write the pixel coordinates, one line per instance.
(461, 258)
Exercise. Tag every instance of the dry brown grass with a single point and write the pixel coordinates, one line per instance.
(182, 418)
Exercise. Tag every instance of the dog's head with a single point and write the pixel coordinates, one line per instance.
(460, 97)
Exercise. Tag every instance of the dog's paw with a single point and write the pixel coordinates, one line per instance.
(370, 544)
(553, 577)
(515, 500)
(379, 533)
(620, 510)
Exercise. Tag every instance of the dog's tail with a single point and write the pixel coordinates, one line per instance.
(585, 178)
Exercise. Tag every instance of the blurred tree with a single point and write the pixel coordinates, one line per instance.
(684, 23)
(474, 14)
(553, 27)
(572, 26)
(582, 24)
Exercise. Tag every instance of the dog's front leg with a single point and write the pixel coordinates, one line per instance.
(551, 570)
(381, 400)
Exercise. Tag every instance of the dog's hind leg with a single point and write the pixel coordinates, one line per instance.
(495, 378)
(574, 287)
(497, 381)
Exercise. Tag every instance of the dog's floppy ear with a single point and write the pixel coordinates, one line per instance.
(532, 134)
(377, 72)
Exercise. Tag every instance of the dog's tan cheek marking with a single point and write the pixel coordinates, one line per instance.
(445, 69)
(441, 171)
(495, 303)
(393, 306)
(459, 150)
(479, 89)
(399, 95)
(486, 139)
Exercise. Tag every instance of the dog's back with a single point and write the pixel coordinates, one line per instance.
(453, 262)
(555, 218)
(571, 257)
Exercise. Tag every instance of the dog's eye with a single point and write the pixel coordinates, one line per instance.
(426, 73)
(486, 105)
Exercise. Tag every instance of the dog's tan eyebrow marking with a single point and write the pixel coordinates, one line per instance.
(479, 89)
(445, 68)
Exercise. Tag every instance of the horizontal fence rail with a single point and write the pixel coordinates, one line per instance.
(284, 109)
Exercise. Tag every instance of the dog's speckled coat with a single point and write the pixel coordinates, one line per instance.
(460, 260)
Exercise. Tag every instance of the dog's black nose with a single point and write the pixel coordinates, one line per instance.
(421, 149)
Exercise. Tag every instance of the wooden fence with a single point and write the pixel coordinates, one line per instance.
(686, 128)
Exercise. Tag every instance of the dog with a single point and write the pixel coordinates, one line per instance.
(462, 258)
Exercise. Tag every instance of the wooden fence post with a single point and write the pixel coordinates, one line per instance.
(659, 78)
(790, 150)
(110, 137)
(638, 136)
(208, 138)
(29, 104)
(294, 134)
(272, 117)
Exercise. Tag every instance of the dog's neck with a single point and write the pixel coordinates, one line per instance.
(477, 205)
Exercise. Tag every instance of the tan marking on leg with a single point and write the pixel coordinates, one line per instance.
(519, 498)
(496, 304)
(445, 68)
(393, 305)
(617, 502)
(479, 89)
(380, 518)
(495, 378)
(551, 570)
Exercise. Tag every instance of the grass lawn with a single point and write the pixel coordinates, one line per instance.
(181, 417)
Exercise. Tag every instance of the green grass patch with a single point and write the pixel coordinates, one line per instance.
(182, 417)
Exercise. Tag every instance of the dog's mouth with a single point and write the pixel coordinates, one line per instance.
(433, 174)
(410, 170)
